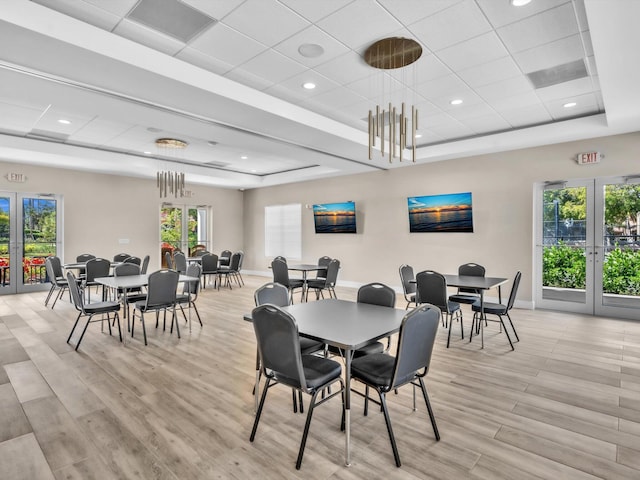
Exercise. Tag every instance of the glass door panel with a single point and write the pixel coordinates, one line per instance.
(170, 232)
(183, 228)
(6, 204)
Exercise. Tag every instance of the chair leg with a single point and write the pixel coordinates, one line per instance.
(195, 309)
(144, 328)
(513, 328)
(312, 404)
(259, 412)
(429, 409)
(506, 332)
(53, 287)
(385, 410)
(74, 327)
(450, 328)
(83, 332)
(119, 328)
(294, 400)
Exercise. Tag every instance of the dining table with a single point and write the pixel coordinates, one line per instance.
(348, 326)
(305, 268)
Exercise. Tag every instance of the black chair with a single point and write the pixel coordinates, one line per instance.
(281, 276)
(180, 262)
(168, 260)
(324, 263)
(225, 258)
(132, 294)
(209, 262)
(278, 295)
(283, 362)
(408, 280)
(53, 267)
(145, 265)
(468, 295)
(190, 291)
(120, 257)
(85, 257)
(90, 310)
(133, 259)
(238, 273)
(230, 271)
(432, 288)
(161, 296)
(499, 310)
(375, 294)
(95, 268)
(385, 373)
(328, 283)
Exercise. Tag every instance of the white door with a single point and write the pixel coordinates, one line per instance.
(587, 246)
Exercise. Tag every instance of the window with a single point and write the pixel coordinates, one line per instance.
(283, 231)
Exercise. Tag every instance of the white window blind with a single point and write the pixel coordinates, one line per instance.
(283, 231)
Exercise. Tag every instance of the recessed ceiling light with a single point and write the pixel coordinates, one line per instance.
(64, 121)
(520, 3)
(147, 153)
(456, 101)
(418, 135)
(569, 104)
(310, 50)
(244, 157)
(309, 85)
(253, 171)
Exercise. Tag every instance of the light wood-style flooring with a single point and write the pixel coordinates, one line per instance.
(565, 404)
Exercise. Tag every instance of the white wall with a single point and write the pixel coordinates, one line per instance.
(101, 209)
(502, 186)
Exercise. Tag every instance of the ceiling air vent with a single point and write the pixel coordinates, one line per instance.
(47, 135)
(171, 17)
(558, 74)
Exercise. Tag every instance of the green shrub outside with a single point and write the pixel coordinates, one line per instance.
(622, 272)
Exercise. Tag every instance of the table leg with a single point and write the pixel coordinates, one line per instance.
(304, 285)
(347, 407)
(482, 317)
(256, 389)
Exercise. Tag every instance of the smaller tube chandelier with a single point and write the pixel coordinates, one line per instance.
(386, 54)
(170, 182)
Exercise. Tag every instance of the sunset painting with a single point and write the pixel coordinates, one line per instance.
(335, 217)
(441, 213)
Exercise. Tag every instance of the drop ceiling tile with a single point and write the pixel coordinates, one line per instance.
(580, 86)
(491, 72)
(117, 7)
(466, 111)
(551, 54)
(442, 87)
(272, 66)
(451, 130)
(525, 99)
(248, 79)
(410, 11)
(217, 9)
(548, 26)
(146, 36)
(100, 131)
(336, 98)
(527, 116)
(227, 45)
(377, 87)
(462, 21)
(323, 84)
(84, 12)
(346, 68)
(585, 104)
(428, 67)
(377, 20)
(313, 10)
(481, 49)
(505, 88)
(311, 35)
(468, 97)
(501, 13)
(49, 121)
(268, 22)
(199, 59)
(17, 118)
(487, 124)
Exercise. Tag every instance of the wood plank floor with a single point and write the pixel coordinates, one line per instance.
(564, 404)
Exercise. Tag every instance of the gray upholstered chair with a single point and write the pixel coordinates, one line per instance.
(209, 262)
(180, 262)
(283, 362)
(386, 373)
(408, 280)
(120, 257)
(432, 288)
(53, 267)
(95, 268)
(468, 295)
(161, 296)
(190, 291)
(281, 276)
(328, 283)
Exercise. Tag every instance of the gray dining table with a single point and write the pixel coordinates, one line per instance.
(348, 326)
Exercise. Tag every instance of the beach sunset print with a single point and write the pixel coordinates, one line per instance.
(335, 217)
(441, 213)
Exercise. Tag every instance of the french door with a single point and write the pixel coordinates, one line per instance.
(184, 228)
(30, 231)
(588, 246)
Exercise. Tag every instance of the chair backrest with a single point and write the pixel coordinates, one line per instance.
(273, 293)
(76, 296)
(514, 291)
(97, 267)
(470, 270)
(225, 261)
(196, 249)
(193, 270)
(377, 294)
(161, 289)
(200, 253)
(280, 257)
(279, 345)
(167, 260)
(126, 269)
(49, 269)
(415, 343)
(56, 265)
(234, 265)
(145, 264)
(332, 272)
(280, 272)
(323, 262)
(432, 288)
(120, 257)
(85, 257)
(209, 263)
(241, 253)
(134, 260)
(180, 262)
(407, 278)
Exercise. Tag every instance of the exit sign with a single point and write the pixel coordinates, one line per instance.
(16, 177)
(589, 158)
